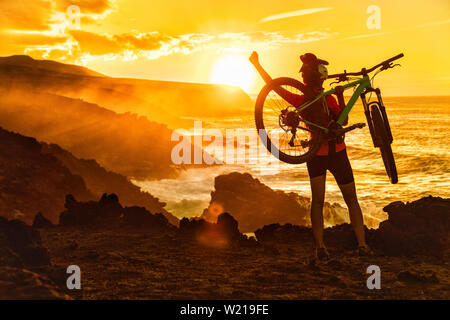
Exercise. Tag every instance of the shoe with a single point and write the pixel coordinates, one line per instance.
(364, 251)
(322, 254)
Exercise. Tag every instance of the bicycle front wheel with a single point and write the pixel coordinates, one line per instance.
(281, 128)
(383, 142)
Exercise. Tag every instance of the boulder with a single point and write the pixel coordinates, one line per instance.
(141, 217)
(341, 237)
(228, 226)
(338, 237)
(108, 211)
(83, 213)
(21, 245)
(41, 222)
(109, 206)
(418, 227)
(421, 227)
(254, 204)
(223, 233)
(287, 233)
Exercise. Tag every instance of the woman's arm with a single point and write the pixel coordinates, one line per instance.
(290, 97)
(254, 59)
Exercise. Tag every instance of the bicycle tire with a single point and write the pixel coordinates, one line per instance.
(259, 121)
(383, 142)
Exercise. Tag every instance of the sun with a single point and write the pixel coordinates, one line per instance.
(233, 70)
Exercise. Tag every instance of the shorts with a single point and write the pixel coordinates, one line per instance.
(336, 162)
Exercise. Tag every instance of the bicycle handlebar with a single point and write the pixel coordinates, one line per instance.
(385, 65)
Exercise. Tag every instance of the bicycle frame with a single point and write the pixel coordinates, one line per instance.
(363, 84)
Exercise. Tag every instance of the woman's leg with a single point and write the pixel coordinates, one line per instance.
(341, 168)
(349, 193)
(317, 200)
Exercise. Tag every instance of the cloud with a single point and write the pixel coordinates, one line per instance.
(291, 14)
(367, 35)
(86, 6)
(82, 46)
(25, 15)
(31, 39)
(95, 44)
(143, 41)
(409, 28)
(49, 16)
(41, 28)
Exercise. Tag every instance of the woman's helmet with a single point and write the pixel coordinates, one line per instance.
(314, 70)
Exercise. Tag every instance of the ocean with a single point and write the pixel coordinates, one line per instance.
(420, 127)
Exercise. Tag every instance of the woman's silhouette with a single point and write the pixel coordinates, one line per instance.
(332, 155)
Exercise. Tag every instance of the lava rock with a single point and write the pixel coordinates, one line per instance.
(270, 250)
(254, 204)
(9, 258)
(287, 233)
(228, 226)
(71, 246)
(141, 217)
(41, 222)
(22, 284)
(341, 237)
(224, 233)
(83, 213)
(109, 206)
(417, 277)
(419, 227)
(21, 245)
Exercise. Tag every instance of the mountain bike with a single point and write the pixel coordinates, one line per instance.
(294, 138)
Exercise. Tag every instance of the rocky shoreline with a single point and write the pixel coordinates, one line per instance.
(130, 253)
(255, 204)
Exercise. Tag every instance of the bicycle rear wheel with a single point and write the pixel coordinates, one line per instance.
(280, 126)
(383, 141)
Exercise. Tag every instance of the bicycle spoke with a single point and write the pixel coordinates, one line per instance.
(279, 134)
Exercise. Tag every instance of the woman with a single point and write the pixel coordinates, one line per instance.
(332, 155)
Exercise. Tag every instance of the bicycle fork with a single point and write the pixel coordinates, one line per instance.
(384, 114)
(367, 113)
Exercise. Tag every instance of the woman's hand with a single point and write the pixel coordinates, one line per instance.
(254, 58)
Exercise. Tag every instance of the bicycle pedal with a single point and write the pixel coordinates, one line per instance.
(305, 143)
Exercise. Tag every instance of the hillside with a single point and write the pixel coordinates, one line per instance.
(74, 107)
(23, 62)
(31, 181)
(124, 143)
(37, 177)
(161, 101)
(98, 180)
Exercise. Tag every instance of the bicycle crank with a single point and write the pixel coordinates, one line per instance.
(350, 128)
(303, 143)
(291, 142)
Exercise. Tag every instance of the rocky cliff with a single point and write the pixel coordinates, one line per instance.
(36, 177)
(254, 204)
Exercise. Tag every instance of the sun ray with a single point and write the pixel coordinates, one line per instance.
(233, 70)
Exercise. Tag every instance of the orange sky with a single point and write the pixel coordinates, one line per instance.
(209, 41)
